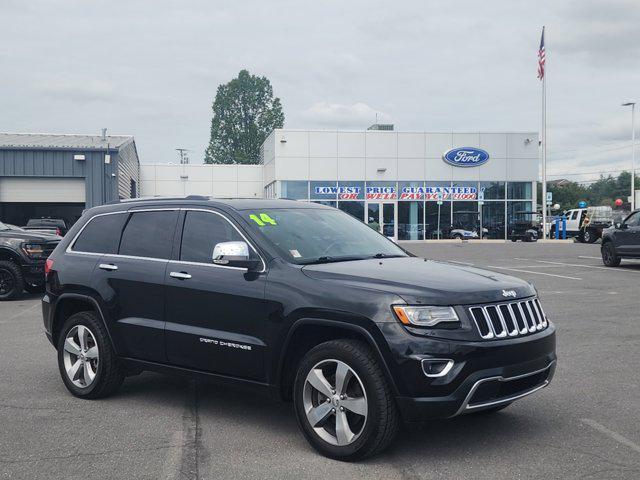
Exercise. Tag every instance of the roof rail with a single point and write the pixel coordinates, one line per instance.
(149, 199)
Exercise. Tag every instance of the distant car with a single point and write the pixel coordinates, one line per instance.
(586, 224)
(621, 241)
(56, 226)
(22, 260)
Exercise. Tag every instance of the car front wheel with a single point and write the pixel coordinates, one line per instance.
(609, 256)
(343, 402)
(11, 281)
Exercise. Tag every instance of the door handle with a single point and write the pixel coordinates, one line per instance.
(180, 275)
(108, 266)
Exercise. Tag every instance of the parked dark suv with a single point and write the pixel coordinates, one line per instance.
(621, 241)
(296, 299)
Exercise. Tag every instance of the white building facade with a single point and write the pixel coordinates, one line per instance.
(410, 185)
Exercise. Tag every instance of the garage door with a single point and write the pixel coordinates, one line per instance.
(39, 190)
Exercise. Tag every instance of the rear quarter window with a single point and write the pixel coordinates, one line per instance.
(101, 235)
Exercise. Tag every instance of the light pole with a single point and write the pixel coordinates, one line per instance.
(633, 152)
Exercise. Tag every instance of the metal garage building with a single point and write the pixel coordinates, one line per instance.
(60, 175)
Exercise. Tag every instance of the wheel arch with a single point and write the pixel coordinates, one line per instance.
(306, 333)
(8, 254)
(71, 303)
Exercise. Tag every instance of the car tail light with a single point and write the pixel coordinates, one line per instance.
(58, 231)
(48, 266)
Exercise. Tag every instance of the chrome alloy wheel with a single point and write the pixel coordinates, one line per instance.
(81, 356)
(335, 402)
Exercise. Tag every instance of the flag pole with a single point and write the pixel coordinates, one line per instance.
(544, 145)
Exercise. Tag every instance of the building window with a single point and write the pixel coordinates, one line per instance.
(493, 190)
(411, 190)
(437, 219)
(350, 190)
(381, 191)
(410, 220)
(324, 190)
(493, 219)
(519, 191)
(355, 209)
(466, 216)
(294, 190)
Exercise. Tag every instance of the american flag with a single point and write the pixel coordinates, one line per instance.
(541, 57)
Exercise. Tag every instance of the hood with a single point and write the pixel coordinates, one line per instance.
(420, 281)
(26, 236)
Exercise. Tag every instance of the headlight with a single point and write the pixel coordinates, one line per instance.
(444, 317)
(33, 249)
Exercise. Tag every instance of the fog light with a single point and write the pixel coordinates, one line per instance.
(436, 367)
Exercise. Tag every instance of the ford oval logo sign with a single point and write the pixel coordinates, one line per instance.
(466, 157)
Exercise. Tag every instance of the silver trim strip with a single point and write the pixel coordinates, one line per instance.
(444, 371)
(465, 405)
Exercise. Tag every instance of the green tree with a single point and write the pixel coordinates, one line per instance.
(244, 113)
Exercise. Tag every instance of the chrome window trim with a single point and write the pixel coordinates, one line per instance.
(139, 210)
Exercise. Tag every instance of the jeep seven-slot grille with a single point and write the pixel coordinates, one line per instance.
(511, 319)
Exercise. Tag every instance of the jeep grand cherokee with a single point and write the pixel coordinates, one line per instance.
(296, 299)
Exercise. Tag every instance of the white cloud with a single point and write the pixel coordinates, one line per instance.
(335, 115)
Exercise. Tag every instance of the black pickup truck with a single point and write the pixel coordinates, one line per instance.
(22, 258)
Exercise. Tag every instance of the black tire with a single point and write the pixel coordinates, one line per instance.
(491, 410)
(589, 236)
(34, 288)
(11, 280)
(382, 420)
(609, 256)
(109, 374)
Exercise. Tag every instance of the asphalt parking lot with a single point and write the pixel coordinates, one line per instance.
(586, 424)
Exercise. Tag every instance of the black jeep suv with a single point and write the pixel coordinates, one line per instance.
(297, 299)
(621, 241)
(22, 260)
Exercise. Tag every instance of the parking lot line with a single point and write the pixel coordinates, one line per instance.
(611, 434)
(587, 256)
(587, 266)
(534, 273)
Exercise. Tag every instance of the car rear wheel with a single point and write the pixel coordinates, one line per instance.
(87, 362)
(589, 237)
(343, 402)
(11, 281)
(609, 256)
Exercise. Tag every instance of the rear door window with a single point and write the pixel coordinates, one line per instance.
(149, 234)
(201, 232)
(102, 234)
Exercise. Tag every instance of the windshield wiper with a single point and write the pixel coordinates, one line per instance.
(387, 255)
(328, 259)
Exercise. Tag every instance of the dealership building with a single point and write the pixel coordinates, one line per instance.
(410, 185)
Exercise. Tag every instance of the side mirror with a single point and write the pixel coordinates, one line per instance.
(234, 254)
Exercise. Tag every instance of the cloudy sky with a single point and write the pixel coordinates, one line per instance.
(150, 68)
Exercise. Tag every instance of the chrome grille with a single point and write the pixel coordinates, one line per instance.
(510, 319)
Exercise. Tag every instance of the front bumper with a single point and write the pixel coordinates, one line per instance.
(485, 374)
(33, 272)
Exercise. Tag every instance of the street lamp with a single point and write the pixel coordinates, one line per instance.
(633, 153)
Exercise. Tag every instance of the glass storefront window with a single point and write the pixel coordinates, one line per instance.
(324, 190)
(431, 190)
(493, 190)
(411, 190)
(350, 190)
(431, 220)
(355, 209)
(466, 216)
(381, 191)
(294, 190)
(493, 219)
(514, 207)
(410, 220)
(519, 191)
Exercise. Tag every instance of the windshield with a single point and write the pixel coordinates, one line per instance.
(317, 236)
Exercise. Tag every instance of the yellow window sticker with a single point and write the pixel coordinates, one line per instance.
(262, 219)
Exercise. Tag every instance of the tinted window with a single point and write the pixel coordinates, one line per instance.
(101, 235)
(633, 220)
(149, 234)
(201, 232)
